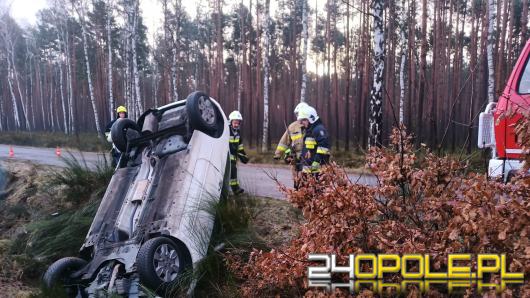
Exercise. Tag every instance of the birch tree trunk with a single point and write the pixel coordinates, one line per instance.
(11, 54)
(155, 85)
(167, 42)
(266, 66)
(241, 59)
(524, 23)
(51, 96)
(63, 104)
(239, 84)
(13, 97)
(81, 13)
(129, 102)
(492, 15)
(71, 118)
(349, 124)
(219, 51)
(6, 39)
(376, 94)
(175, 50)
(2, 128)
(29, 56)
(40, 81)
(305, 37)
(174, 74)
(423, 70)
(109, 55)
(403, 43)
(139, 106)
(61, 84)
(196, 47)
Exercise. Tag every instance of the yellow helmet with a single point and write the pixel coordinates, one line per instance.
(121, 109)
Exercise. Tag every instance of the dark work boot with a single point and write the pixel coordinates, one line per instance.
(238, 190)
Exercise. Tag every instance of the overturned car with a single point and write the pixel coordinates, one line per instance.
(151, 225)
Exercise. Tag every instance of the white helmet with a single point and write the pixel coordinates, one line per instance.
(308, 113)
(235, 115)
(300, 106)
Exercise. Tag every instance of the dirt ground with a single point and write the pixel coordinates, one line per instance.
(25, 196)
(276, 221)
(22, 199)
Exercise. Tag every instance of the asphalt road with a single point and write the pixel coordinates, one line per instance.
(256, 179)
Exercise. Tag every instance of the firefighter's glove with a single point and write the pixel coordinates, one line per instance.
(276, 157)
(109, 137)
(243, 158)
(315, 167)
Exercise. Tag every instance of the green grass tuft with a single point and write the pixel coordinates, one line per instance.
(78, 181)
(58, 236)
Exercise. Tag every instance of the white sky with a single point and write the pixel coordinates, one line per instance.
(25, 12)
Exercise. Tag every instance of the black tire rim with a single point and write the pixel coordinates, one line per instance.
(207, 110)
(166, 262)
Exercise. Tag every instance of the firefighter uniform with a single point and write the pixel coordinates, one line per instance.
(292, 141)
(316, 150)
(121, 112)
(237, 151)
(290, 148)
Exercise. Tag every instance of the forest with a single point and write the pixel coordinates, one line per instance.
(366, 66)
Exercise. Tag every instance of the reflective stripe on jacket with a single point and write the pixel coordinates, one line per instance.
(293, 138)
(316, 149)
(236, 145)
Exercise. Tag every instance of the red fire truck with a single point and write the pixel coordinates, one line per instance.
(497, 122)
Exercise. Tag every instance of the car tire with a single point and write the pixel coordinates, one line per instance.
(203, 113)
(59, 272)
(122, 130)
(160, 263)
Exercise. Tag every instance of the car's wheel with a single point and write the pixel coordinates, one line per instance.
(123, 130)
(160, 262)
(202, 112)
(58, 274)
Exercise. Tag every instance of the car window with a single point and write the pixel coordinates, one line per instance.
(524, 82)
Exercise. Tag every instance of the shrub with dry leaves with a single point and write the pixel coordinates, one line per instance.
(426, 205)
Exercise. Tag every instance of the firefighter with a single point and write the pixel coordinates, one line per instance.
(316, 149)
(121, 112)
(290, 146)
(237, 151)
